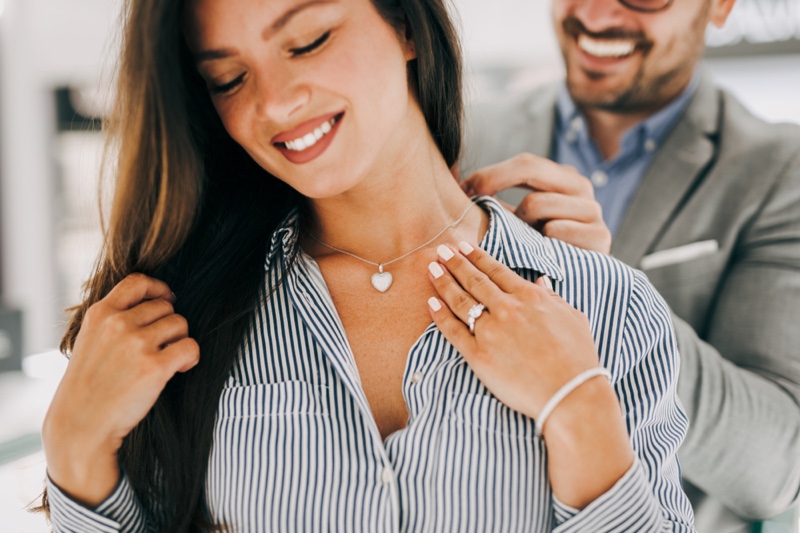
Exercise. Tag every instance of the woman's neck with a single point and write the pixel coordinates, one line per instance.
(395, 210)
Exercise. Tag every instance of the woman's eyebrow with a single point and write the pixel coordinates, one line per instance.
(280, 22)
(284, 19)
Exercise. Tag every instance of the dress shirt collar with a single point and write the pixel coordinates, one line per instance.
(644, 136)
(508, 239)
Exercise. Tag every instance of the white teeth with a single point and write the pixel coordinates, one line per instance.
(310, 139)
(606, 47)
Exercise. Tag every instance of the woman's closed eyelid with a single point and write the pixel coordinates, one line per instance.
(222, 88)
(316, 43)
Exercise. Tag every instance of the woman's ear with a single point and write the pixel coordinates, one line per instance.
(720, 11)
(409, 49)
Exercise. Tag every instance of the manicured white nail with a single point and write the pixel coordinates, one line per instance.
(547, 282)
(445, 252)
(436, 270)
(465, 247)
(434, 304)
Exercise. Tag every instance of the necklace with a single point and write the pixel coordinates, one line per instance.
(383, 280)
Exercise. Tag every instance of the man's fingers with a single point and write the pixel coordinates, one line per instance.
(135, 288)
(538, 206)
(533, 172)
(593, 237)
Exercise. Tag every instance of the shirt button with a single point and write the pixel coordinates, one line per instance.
(416, 377)
(599, 178)
(576, 124)
(649, 145)
(387, 476)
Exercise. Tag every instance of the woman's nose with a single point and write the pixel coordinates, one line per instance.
(280, 98)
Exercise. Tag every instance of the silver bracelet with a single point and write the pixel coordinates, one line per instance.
(562, 393)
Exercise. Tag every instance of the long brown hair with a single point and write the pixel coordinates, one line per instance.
(193, 209)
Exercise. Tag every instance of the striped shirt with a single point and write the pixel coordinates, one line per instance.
(297, 449)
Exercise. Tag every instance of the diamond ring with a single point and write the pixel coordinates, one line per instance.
(475, 313)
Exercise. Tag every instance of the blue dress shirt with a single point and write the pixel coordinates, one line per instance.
(615, 180)
(296, 447)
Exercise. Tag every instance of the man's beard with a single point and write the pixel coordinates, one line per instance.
(640, 95)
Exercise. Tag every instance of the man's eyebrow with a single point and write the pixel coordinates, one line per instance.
(280, 22)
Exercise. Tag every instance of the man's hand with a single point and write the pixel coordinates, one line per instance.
(561, 203)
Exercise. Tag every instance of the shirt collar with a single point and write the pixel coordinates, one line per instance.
(509, 240)
(655, 127)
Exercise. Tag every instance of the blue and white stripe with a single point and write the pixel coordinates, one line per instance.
(297, 449)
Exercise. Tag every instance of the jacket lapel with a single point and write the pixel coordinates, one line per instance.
(678, 165)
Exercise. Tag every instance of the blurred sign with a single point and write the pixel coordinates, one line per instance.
(758, 26)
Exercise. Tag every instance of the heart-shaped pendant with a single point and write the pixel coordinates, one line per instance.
(382, 281)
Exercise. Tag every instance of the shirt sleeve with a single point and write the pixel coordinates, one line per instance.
(649, 497)
(121, 512)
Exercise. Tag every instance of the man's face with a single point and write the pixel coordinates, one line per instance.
(626, 61)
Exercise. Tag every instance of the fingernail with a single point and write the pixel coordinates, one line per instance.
(445, 252)
(465, 247)
(434, 304)
(174, 298)
(436, 270)
(547, 282)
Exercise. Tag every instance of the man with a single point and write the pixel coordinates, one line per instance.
(698, 193)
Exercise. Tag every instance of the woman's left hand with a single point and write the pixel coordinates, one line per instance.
(527, 343)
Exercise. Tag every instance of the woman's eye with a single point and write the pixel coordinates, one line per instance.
(310, 47)
(226, 87)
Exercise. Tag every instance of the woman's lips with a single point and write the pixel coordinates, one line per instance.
(309, 140)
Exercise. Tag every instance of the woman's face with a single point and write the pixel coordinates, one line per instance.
(316, 91)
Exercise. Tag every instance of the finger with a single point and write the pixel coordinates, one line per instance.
(477, 283)
(539, 206)
(182, 355)
(136, 288)
(149, 311)
(452, 328)
(458, 300)
(505, 279)
(594, 237)
(527, 170)
(166, 331)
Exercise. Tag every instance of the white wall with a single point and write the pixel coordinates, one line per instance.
(43, 43)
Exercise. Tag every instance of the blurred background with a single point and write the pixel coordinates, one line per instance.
(56, 60)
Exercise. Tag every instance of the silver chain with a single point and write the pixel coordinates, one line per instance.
(387, 263)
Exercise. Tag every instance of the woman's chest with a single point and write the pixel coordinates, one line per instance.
(296, 448)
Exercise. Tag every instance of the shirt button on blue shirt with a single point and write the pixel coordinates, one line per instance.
(599, 178)
(416, 377)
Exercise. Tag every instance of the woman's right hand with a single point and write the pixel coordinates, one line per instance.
(129, 346)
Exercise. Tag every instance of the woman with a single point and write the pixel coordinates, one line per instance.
(293, 380)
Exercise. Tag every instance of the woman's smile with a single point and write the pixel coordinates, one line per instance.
(310, 139)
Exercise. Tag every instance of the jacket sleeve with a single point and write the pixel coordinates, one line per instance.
(741, 386)
(649, 496)
(121, 512)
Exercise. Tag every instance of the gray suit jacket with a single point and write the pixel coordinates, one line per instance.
(728, 184)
